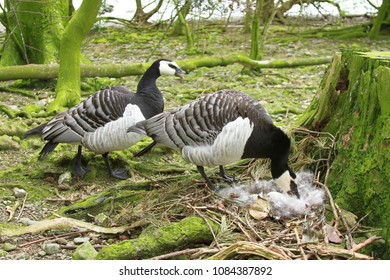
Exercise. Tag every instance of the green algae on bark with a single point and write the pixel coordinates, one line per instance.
(153, 242)
(353, 102)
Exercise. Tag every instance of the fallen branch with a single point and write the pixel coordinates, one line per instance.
(163, 240)
(248, 248)
(21, 210)
(50, 71)
(370, 240)
(62, 223)
(333, 251)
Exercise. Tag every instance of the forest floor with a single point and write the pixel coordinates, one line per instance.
(284, 92)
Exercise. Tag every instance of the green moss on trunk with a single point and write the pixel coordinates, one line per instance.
(353, 101)
(68, 86)
(154, 242)
(34, 30)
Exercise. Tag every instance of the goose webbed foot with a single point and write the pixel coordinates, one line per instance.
(207, 179)
(120, 173)
(78, 168)
(226, 177)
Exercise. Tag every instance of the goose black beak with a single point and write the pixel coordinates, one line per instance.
(180, 73)
(294, 189)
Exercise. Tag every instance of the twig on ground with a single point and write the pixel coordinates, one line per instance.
(208, 224)
(370, 240)
(298, 242)
(191, 251)
(21, 210)
(69, 234)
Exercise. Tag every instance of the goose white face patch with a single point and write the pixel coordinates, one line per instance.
(113, 136)
(227, 148)
(165, 69)
(284, 181)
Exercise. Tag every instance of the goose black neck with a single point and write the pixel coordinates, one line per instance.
(280, 153)
(147, 84)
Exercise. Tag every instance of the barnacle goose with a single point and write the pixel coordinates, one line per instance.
(222, 128)
(99, 123)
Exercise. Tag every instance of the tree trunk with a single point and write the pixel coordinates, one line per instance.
(33, 31)
(178, 27)
(68, 85)
(383, 12)
(41, 71)
(142, 17)
(248, 16)
(254, 52)
(181, 22)
(353, 102)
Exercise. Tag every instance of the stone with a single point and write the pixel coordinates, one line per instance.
(80, 240)
(20, 193)
(65, 178)
(3, 253)
(23, 256)
(27, 221)
(8, 247)
(85, 252)
(41, 253)
(102, 220)
(51, 248)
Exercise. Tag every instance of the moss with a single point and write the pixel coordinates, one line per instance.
(153, 242)
(102, 202)
(360, 114)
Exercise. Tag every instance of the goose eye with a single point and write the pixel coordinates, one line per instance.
(172, 66)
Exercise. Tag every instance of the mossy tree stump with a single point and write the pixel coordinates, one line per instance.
(353, 102)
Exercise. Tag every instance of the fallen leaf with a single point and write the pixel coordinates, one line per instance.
(259, 209)
(332, 234)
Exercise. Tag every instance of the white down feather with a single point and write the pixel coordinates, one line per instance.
(113, 135)
(282, 205)
(227, 148)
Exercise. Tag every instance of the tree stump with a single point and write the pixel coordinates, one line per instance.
(353, 102)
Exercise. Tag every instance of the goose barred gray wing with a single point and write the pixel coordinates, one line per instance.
(200, 122)
(102, 107)
(222, 128)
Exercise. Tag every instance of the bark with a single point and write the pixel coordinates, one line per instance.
(40, 71)
(353, 102)
(181, 13)
(383, 12)
(248, 16)
(33, 31)
(178, 27)
(142, 17)
(68, 85)
(255, 50)
(154, 242)
(287, 5)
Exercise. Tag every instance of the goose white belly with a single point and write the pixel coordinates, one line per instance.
(228, 146)
(113, 135)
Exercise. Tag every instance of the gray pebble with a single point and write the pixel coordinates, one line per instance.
(80, 240)
(27, 221)
(19, 192)
(41, 253)
(51, 248)
(23, 256)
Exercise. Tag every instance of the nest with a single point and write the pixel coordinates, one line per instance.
(256, 221)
